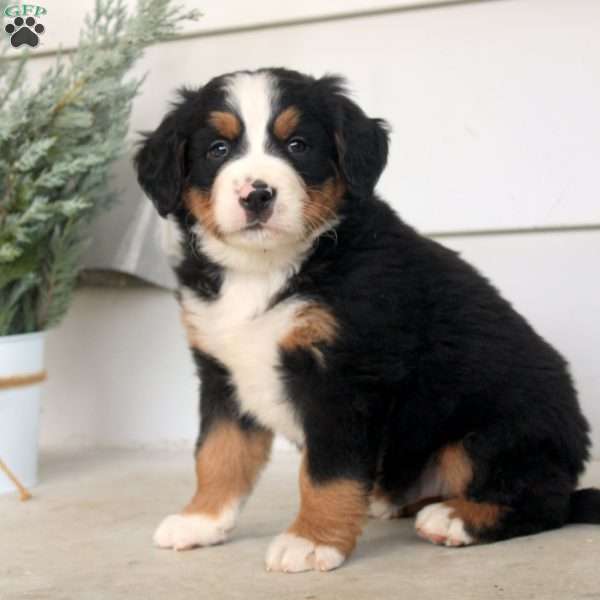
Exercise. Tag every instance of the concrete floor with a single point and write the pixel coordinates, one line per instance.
(86, 536)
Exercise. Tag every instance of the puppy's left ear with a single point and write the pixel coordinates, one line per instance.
(361, 142)
(160, 166)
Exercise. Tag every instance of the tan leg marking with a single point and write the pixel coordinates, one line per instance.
(456, 468)
(475, 515)
(456, 522)
(326, 528)
(227, 465)
(313, 324)
(331, 514)
(286, 122)
(226, 123)
(447, 475)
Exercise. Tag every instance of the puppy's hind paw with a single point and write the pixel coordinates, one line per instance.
(437, 524)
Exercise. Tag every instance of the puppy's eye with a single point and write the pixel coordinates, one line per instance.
(297, 146)
(218, 149)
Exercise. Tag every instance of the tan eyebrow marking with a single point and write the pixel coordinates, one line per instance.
(286, 122)
(227, 124)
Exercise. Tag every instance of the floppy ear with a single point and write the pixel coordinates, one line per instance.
(361, 142)
(160, 165)
(362, 147)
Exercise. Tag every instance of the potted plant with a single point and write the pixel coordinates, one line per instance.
(57, 142)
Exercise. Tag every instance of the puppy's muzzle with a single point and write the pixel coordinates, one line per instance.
(258, 203)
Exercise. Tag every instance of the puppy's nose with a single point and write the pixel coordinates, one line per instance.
(258, 204)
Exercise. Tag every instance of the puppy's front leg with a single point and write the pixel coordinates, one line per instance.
(228, 461)
(331, 517)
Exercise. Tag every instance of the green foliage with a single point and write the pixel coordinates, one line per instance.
(57, 142)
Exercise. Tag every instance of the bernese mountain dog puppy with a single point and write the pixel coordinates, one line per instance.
(312, 311)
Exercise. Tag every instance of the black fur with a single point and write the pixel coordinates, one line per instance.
(362, 143)
(585, 506)
(431, 354)
(428, 352)
(159, 164)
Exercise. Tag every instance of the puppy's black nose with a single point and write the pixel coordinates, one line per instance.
(258, 204)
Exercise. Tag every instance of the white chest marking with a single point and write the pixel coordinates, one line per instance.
(237, 330)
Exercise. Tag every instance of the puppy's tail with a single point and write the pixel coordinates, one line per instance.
(585, 506)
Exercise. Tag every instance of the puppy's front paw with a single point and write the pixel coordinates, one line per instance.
(437, 524)
(293, 554)
(184, 531)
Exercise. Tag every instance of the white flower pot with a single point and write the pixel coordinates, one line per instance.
(21, 372)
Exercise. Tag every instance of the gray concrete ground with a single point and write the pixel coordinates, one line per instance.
(86, 535)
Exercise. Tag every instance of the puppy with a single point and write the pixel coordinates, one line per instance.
(314, 312)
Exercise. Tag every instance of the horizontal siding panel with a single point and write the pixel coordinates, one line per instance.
(493, 108)
(64, 19)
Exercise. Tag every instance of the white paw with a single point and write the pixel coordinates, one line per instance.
(435, 524)
(379, 508)
(184, 531)
(292, 554)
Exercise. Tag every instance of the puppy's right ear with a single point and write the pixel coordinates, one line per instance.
(160, 165)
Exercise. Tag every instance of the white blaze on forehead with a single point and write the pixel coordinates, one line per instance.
(252, 96)
(255, 98)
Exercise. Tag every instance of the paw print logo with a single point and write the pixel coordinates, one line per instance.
(24, 32)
